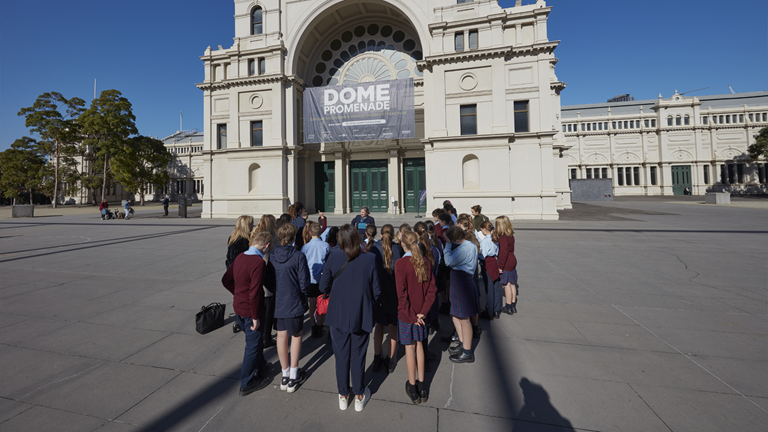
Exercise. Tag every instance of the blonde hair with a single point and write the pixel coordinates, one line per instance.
(387, 233)
(421, 230)
(411, 244)
(469, 231)
(260, 238)
(306, 233)
(503, 228)
(266, 224)
(287, 234)
(242, 229)
(403, 228)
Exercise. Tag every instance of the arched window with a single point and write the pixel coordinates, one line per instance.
(677, 121)
(687, 120)
(470, 168)
(257, 21)
(669, 121)
(254, 179)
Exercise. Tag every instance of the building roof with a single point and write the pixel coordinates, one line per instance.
(184, 137)
(622, 108)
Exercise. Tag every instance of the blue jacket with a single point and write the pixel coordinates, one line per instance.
(316, 252)
(288, 277)
(353, 294)
(388, 300)
(369, 220)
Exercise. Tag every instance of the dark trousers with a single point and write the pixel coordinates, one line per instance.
(492, 293)
(165, 207)
(349, 350)
(253, 357)
(269, 318)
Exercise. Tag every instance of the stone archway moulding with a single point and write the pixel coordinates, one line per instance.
(307, 23)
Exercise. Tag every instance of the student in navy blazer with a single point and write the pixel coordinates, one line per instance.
(353, 295)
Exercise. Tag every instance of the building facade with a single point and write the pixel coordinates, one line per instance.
(186, 169)
(662, 147)
(487, 108)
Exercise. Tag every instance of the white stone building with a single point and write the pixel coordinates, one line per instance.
(186, 170)
(486, 96)
(660, 147)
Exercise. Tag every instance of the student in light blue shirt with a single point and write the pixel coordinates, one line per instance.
(316, 252)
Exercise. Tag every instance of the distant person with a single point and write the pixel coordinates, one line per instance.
(350, 278)
(237, 243)
(244, 280)
(288, 277)
(332, 238)
(166, 201)
(323, 221)
(128, 209)
(104, 208)
(361, 221)
(478, 217)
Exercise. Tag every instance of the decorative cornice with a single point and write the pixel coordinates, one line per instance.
(507, 51)
(510, 136)
(293, 80)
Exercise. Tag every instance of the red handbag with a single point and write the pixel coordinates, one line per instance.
(322, 305)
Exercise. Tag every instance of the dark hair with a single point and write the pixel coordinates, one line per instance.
(437, 212)
(455, 233)
(332, 239)
(299, 207)
(477, 209)
(445, 217)
(349, 241)
(432, 236)
(285, 217)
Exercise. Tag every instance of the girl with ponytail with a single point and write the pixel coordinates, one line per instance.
(370, 234)
(432, 254)
(416, 292)
(387, 252)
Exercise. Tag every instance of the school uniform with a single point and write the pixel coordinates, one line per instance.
(288, 277)
(244, 280)
(507, 260)
(414, 298)
(316, 252)
(463, 291)
(478, 220)
(353, 295)
(491, 277)
(300, 223)
(385, 312)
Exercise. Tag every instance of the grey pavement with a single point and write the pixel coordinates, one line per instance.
(635, 315)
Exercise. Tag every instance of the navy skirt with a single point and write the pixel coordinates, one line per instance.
(410, 333)
(509, 277)
(464, 295)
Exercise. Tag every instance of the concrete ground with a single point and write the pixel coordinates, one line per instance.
(635, 315)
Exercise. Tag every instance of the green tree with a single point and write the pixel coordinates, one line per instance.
(143, 162)
(24, 169)
(54, 119)
(760, 147)
(106, 126)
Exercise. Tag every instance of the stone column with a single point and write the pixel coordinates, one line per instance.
(341, 187)
(394, 168)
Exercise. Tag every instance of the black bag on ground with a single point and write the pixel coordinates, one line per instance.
(210, 318)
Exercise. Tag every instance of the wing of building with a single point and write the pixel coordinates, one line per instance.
(662, 147)
(487, 109)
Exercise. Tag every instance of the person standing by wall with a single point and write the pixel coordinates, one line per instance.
(350, 278)
(166, 201)
(244, 279)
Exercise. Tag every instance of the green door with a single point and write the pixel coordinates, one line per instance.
(415, 175)
(368, 185)
(325, 186)
(681, 178)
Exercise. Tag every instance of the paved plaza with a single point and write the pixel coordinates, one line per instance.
(635, 315)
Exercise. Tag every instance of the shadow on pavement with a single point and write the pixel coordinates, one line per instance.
(537, 410)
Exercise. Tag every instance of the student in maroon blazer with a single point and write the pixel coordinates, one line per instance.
(416, 293)
(244, 279)
(504, 235)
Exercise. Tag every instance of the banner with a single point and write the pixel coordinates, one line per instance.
(359, 112)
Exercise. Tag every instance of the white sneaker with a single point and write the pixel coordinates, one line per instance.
(360, 404)
(343, 403)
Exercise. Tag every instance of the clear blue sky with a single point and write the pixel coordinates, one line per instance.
(149, 50)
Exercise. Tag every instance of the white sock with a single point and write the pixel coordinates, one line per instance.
(294, 372)
(285, 372)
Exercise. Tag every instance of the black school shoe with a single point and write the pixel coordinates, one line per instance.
(422, 391)
(462, 358)
(455, 349)
(376, 363)
(412, 393)
(391, 364)
(257, 383)
(484, 315)
(497, 314)
(507, 310)
(294, 384)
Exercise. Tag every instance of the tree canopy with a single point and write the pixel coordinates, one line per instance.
(142, 162)
(23, 170)
(760, 147)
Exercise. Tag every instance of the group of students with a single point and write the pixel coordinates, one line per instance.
(280, 270)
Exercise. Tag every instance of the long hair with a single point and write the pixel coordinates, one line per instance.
(292, 211)
(421, 230)
(487, 225)
(503, 228)
(370, 233)
(432, 236)
(387, 236)
(332, 238)
(242, 229)
(266, 224)
(349, 241)
(403, 228)
(287, 234)
(283, 219)
(411, 244)
(306, 233)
